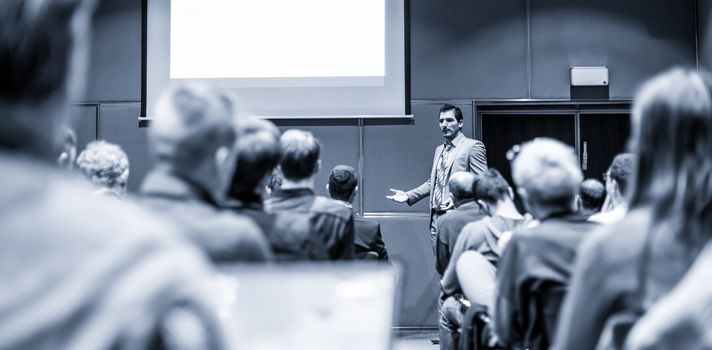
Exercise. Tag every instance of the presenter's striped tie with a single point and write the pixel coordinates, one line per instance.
(441, 176)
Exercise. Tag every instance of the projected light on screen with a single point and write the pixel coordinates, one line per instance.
(283, 58)
(277, 38)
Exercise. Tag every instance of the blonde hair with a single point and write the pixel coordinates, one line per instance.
(104, 164)
(548, 170)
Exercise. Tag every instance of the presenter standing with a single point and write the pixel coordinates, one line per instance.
(457, 153)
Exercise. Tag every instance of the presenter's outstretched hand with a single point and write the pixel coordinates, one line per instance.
(398, 196)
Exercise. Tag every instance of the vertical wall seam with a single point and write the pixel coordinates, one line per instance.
(361, 152)
(577, 135)
(697, 35)
(97, 119)
(529, 50)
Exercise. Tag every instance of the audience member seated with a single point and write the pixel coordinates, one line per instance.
(617, 177)
(536, 265)
(191, 137)
(368, 243)
(275, 181)
(591, 196)
(681, 319)
(449, 225)
(332, 220)
(78, 271)
(495, 197)
(258, 153)
(68, 153)
(626, 266)
(106, 166)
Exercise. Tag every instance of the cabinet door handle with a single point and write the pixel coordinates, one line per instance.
(584, 160)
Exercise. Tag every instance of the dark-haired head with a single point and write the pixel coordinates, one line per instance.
(343, 181)
(672, 138)
(258, 153)
(592, 194)
(490, 187)
(456, 111)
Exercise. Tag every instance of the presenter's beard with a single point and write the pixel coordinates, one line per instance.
(448, 132)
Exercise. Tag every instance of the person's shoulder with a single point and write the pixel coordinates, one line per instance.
(105, 219)
(329, 206)
(475, 231)
(228, 220)
(365, 222)
(621, 241)
(472, 142)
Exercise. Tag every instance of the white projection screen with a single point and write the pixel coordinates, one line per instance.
(282, 58)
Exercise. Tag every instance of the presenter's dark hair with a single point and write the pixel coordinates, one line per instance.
(490, 186)
(300, 154)
(342, 182)
(448, 107)
(672, 139)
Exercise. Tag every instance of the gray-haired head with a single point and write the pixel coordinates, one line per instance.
(106, 165)
(547, 176)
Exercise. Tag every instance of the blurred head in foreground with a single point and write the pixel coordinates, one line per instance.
(192, 135)
(672, 139)
(43, 61)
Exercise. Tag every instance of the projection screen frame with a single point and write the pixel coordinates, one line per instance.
(144, 120)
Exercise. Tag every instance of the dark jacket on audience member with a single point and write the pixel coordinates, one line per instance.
(606, 277)
(332, 220)
(224, 236)
(449, 227)
(289, 234)
(368, 238)
(533, 273)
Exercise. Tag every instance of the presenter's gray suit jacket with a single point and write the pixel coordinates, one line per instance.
(470, 155)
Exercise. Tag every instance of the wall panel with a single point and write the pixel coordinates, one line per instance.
(634, 39)
(704, 30)
(466, 49)
(115, 69)
(408, 242)
(83, 122)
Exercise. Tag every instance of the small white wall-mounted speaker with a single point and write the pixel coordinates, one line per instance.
(589, 76)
